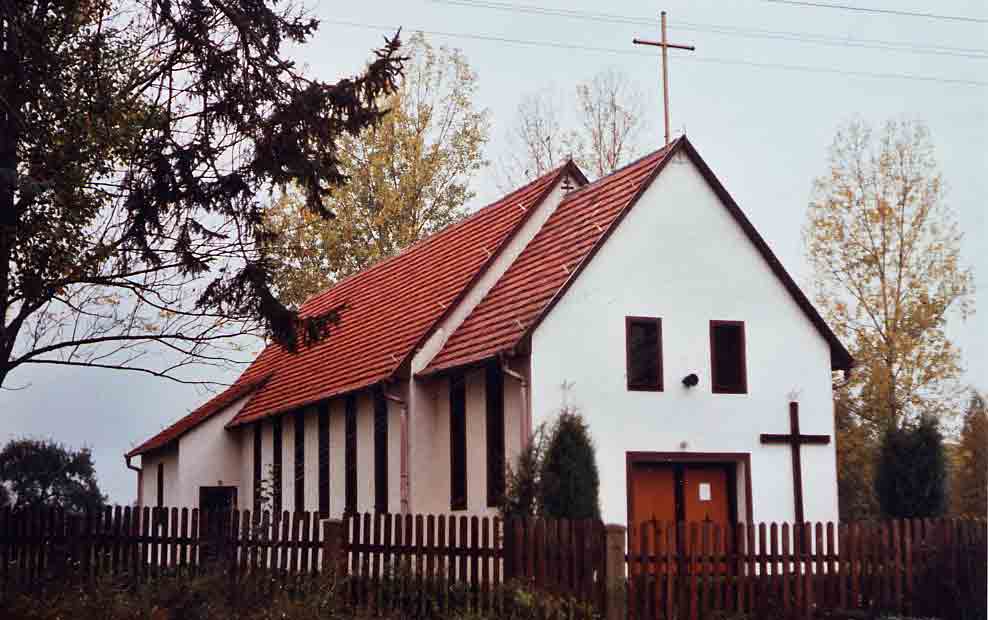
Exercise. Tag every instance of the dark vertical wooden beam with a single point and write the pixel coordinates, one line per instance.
(161, 485)
(323, 459)
(351, 455)
(299, 444)
(277, 445)
(380, 451)
(494, 391)
(258, 473)
(457, 443)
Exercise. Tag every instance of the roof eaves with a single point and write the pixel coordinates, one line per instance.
(525, 339)
(568, 167)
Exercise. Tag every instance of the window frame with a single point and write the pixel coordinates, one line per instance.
(714, 324)
(659, 385)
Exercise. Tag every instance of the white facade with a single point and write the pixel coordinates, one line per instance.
(679, 256)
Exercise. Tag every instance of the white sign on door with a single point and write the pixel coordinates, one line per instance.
(704, 491)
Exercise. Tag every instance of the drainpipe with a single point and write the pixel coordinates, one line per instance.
(525, 431)
(404, 448)
(140, 479)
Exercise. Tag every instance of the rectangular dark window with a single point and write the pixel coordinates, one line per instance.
(494, 390)
(258, 475)
(276, 447)
(457, 443)
(728, 374)
(161, 485)
(324, 460)
(643, 340)
(351, 455)
(380, 451)
(300, 461)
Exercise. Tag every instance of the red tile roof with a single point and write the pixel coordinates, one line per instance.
(213, 406)
(540, 276)
(527, 288)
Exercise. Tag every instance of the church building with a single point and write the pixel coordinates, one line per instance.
(646, 300)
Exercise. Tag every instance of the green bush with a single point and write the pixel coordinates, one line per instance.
(911, 477)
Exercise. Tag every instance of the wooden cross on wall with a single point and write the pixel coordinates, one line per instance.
(665, 45)
(795, 441)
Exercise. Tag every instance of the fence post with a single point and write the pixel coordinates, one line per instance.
(334, 560)
(614, 569)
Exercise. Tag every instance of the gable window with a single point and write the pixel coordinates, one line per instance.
(380, 451)
(457, 443)
(643, 340)
(728, 370)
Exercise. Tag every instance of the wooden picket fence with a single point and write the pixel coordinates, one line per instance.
(700, 570)
(423, 564)
(414, 562)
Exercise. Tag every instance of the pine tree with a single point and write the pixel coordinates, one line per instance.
(569, 485)
(911, 473)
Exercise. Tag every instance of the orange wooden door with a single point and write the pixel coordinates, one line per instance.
(653, 498)
(705, 494)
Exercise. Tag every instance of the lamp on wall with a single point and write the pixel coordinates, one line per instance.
(691, 380)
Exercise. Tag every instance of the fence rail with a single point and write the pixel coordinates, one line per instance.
(695, 570)
(412, 560)
(420, 562)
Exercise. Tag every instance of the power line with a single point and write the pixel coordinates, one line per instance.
(847, 7)
(710, 60)
(719, 29)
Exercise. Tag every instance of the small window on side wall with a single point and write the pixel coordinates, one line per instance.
(728, 371)
(643, 340)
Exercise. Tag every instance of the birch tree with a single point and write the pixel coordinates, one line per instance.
(885, 250)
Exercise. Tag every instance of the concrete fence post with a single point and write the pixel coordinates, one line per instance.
(334, 557)
(616, 590)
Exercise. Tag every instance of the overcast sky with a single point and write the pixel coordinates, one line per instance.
(761, 110)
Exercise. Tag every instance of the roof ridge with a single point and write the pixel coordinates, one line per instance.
(424, 240)
(623, 168)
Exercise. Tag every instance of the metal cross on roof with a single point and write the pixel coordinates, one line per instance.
(665, 45)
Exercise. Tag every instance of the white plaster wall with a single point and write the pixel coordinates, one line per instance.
(681, 257)
(365, 453)
(210, 455)
(337, 457)
(312, 458)
(431, 467)
(246, 490)
(149, 471)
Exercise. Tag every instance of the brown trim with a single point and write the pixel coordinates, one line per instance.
(657, 386)
(743, 458)
(713, 359)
